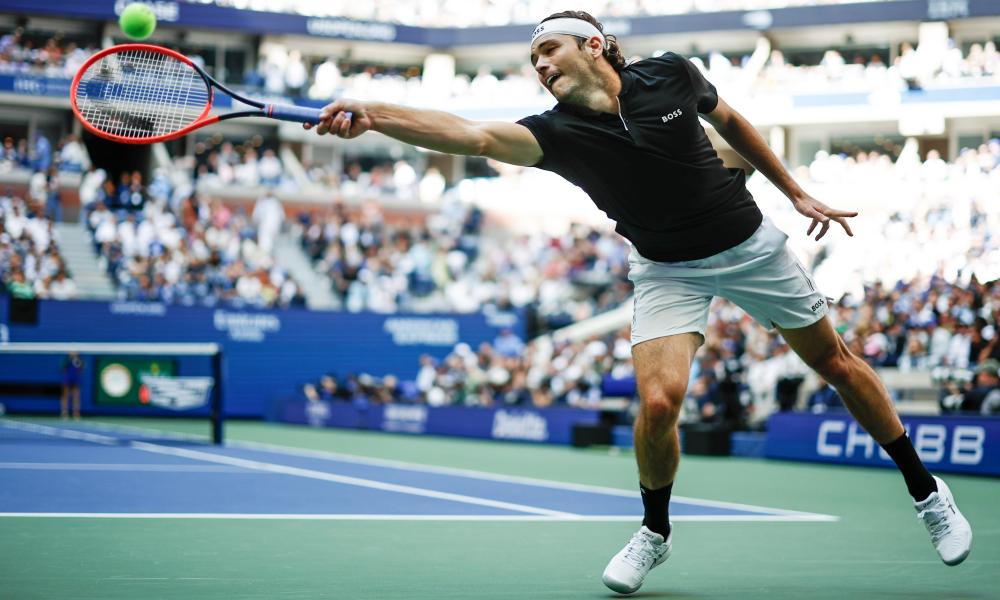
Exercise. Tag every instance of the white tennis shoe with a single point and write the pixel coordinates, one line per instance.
(950, 532)
(627, 570)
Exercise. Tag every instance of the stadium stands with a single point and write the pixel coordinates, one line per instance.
(504, 12)
(30, 263)
(173, 233)
(195, 252)
(450, 264)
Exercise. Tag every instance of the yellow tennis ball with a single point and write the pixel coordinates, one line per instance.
(137, 21)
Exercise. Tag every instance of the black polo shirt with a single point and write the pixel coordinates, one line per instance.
(652, 169)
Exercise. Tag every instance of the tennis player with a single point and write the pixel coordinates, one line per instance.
(630, 136)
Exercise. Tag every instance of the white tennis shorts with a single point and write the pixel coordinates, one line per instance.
(760, 275)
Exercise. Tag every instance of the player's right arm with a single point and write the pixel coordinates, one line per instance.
(432, 129)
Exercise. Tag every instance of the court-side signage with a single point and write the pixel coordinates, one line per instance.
(269, 354)
(550, 425)
(956, 444)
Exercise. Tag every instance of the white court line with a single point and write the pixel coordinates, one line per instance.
(786, 515)
(71, 434)
(297, 472)
(369, 517)
(356, 481)
(128, 467)
(486, 476)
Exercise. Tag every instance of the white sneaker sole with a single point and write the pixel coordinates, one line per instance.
(623, 588)
(958, 513)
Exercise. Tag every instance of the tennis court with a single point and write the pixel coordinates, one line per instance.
(145, 508)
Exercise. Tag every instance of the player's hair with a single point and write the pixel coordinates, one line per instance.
(613, 52)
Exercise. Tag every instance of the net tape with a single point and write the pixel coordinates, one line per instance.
(178, 393)
(141, 94)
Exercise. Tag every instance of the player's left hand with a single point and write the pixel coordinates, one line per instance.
(822, 214)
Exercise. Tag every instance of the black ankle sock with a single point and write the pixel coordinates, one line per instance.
(656, 504)
(919, 482)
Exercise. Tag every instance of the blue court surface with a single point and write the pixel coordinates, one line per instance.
(112, 471)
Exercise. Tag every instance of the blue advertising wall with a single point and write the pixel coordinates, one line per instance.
(947, 444)
(549, 425)
(268, 354)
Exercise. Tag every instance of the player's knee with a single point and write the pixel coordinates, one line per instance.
(835, 366)
(661, 402)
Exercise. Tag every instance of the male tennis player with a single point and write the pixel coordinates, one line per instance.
(629, 135)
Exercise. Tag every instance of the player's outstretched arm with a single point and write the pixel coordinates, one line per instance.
(432, 129)
(743, 138)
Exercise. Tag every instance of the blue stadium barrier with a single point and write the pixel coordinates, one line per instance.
(269, 354)
(549, 425)
(946, 444)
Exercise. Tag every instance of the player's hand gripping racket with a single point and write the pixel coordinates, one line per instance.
(141, 94)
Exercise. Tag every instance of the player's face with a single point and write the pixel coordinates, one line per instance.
(560, 64)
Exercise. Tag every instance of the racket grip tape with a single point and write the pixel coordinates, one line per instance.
(299, 114)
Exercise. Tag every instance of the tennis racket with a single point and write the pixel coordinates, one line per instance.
(142, 94)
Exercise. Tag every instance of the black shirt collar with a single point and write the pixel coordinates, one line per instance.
(628, 79)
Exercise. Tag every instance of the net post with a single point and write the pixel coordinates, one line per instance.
(217, 415)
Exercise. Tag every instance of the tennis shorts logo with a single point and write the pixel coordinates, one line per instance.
(818, 304)
(672, 116)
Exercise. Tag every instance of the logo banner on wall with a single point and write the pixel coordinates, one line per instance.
(955, 444)
(522, 424)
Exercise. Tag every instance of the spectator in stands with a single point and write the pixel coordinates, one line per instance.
(90, 186)
(296, 74)
(72, 155)
(41, 153)
(268, 215)
(980, 396)
(824, 398)
(18, 286)
(269, 168)
(61, 287)
(8, 155)
(507, 344)
(326, 80)
(53, 200)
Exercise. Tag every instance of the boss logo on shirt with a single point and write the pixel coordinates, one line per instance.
(672, 116)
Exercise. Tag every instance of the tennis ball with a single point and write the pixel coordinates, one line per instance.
(137, 21)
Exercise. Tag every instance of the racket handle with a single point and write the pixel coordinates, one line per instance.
(299, 114)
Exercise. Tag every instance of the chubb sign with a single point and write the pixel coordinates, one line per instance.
(968, 445)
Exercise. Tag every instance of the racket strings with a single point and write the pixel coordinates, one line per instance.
(139, 94)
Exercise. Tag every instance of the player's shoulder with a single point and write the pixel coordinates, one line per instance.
(664, 64)
(553, 115)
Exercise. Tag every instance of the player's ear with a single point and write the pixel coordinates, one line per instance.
(595, 46)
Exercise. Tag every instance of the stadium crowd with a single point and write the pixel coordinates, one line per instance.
(505, 12)
(763, 72)
(742, 374)
(935, 315)
(31, 265)
(38, 155)
(218, 162)
(161, 244)
(448, 263)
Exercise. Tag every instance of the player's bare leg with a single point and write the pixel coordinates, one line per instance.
(866, 397)
(662, 367)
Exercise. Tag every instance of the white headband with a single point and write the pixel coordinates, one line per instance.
(569, 26)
